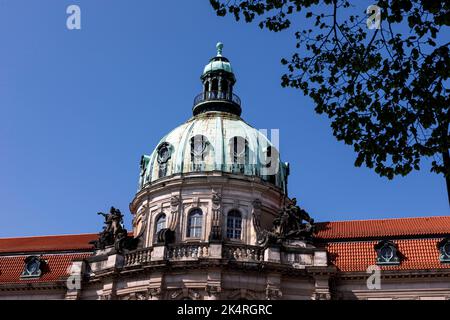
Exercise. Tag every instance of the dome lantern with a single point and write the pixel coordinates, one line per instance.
(218, 80)
(216, 140)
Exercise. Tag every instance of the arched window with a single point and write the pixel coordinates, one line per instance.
(194, 228)
(214, 88)
(199, 145)
(160, 223)
(239, 154)
(224, 89)
(234, 224)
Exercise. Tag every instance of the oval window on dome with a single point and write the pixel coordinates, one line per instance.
(164, 154)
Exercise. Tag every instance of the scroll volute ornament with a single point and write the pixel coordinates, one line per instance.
(174, 210)
(140, 221)
(256, 219)
(216, 230)
(216, 200)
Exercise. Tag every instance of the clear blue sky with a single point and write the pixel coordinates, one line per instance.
(78, 108)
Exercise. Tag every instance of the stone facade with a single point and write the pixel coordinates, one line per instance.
(205, 228)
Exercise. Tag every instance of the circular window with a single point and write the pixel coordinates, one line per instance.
(32, 266)
(387, 253)
(446, 249)
(164, 153)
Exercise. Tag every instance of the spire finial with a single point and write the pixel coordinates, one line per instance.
(219, 47)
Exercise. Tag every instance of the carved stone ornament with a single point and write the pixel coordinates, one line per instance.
(141, 296)
(142, 216)
(176, 294)
(154, 292)
(174, 203)
(322, 296)
(136, 296)
(256, 219)
(216, 230)
(216, 200)
(174, 208)
(273, 293)
(213, 290)
(185, 293)
(257, 204)
(196, 201)
(244, 294)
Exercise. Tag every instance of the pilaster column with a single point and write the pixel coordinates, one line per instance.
(216, 230)
(273, 287)
(322, 288)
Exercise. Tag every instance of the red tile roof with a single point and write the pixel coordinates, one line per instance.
(419, 254)
(75, 242)
(350, 245)
(358, 229)
(56, 269)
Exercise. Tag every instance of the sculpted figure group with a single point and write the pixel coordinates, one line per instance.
(292, 223)
(114, 233)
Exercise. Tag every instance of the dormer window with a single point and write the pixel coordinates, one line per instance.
(444, 250)
(160, 225)
(387, 253)
(33, 267)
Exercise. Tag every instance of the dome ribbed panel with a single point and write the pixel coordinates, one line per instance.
(218, 128)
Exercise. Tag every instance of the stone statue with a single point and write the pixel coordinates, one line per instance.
(113, 221)
(114, 234)
(292, 223)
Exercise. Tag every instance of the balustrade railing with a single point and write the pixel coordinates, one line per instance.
(187, 251)
(243, 253)
(137, 257)
(194, 251)
(216, 95)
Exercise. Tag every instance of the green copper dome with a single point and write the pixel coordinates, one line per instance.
(214, 141)
(218, 63)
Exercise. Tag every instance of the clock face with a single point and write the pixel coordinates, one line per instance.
(387, 253)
